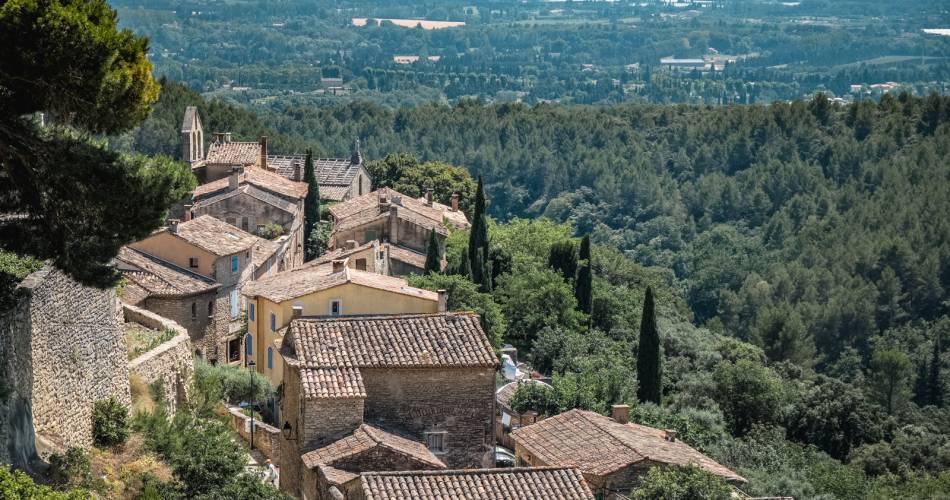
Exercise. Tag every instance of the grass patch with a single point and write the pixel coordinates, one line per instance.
(140, 340)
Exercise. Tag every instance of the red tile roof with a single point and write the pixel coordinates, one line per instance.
(541, 483)
(368, 437)
(215, 236)
(311, 279)
(268, 181)
(160, 278)
(234, 153)
(598, 445)
(365, 209)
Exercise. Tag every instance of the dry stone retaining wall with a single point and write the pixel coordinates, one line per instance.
(170, 364)
(266, 437)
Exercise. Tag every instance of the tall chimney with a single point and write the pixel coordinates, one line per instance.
(620, 413)
(338, 265)
(263, 151)
(298, 176)
(234, 180)
(455, 202)
(226, 137)
(443, 300)
(173, 225)
(188, 214)
(429, 197)
(297, 312)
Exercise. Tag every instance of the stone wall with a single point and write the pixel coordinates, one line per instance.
(266, 437)
(459, 401)
(171, 363)
(64, 347)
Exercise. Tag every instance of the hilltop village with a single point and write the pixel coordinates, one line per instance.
(382, 390)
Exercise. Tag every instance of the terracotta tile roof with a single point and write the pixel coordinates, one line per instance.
(260, 178)
(215, 236)
(263, 250)
(540, 483)
(403, 340)
(336, 171)
(340, 253)
(367, 437)
(234, 153)
(364, 209)
(306, 280)
(332, 382)
(160, 278)
(336, 476)
(598, 445)
(285, 165)
(504, 393)
(456, 217)
(333, 192)
(410, 257)
(334, 175)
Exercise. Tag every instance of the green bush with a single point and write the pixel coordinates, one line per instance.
(110, 426)
(71, 469)
(686, 483)
(15, 484)
(215, 383)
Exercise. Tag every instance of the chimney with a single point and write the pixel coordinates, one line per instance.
(234, 180)
(338, 265)
(383, 201)
(670, 435)
(455, 202)
(188, 214)
(173, 225)
(620, 413)
(428, 197)
(529, 417)
(298, 176)
(511, 351)
(217, 137)
(297, 312)
(226, 137)
(263, 151)
(351, 244)
(443, 300)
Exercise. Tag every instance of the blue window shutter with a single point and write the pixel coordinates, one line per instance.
(234, 263)
(270, 357)
(250, 312)
(248, 345)
(273, 322)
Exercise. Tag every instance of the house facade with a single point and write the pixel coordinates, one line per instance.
(330, 290)
(429, 377)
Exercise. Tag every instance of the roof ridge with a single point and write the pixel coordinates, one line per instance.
(314, 319)
(460, 472)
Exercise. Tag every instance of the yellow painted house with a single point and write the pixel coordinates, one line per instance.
(333, 289)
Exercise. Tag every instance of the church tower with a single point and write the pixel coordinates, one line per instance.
(192, 137)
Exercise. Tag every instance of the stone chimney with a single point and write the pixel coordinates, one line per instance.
(338, 265)
(234, 180)
(455, 202)
(428, 197)
(351, 244)
(670, 435)
(298, 175)
(384, 201)
(173, 226)
(263, 151)
(226, 137)
(620, 413)
(443, 300)
(217, 137)
(529, 417)
(188, 214)
(297, 312)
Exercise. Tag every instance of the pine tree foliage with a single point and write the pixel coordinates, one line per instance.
(311, 204)
(63, 196)
(433, 255)
(649, 364)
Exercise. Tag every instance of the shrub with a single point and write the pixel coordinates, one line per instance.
(71, 469)
(686, 483)
(16, 484)
(271, 231)
(110, 426)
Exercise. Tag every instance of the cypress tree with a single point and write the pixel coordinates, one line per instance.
(311, 204)
(465, 265)
(584, 286)
(478, 240)
(934, 385)
(649, 367)
(433, 258)
(563, 259)
(922, 386)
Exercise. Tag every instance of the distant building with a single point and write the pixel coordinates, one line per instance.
(612, 453)
(427, 378)
(339, 179)
(689, 64)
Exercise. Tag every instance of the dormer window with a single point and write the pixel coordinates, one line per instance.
(193, 262)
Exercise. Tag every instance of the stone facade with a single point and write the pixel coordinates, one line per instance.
(63, 349)
(171, 363)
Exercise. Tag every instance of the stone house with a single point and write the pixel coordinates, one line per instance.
(612, 453)
(216, 250)
(429, 377)
(173, 292)
(401, 221)
(535, 483)
(252, 199)
(339, 179)
(331, 289)
(61, 349)
(380, 258)
(506, 418)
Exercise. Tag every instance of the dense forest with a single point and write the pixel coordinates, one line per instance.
(807, 241)
(266, 53)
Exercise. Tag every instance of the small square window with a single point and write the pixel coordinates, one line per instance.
(336, 308)
(193, 262)
(435, 441)
(361, 264)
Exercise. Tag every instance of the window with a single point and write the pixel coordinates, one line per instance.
(244, 223)
(193, 262)
(235, 303)
(250, 312)
(210, 308)
(435, 441)
(234, 263)
(380, 255)
(234, 350)
(273, 322)
(248, 345)
(270, 358)
(361, 264)
(336, 307)
(194, 310)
